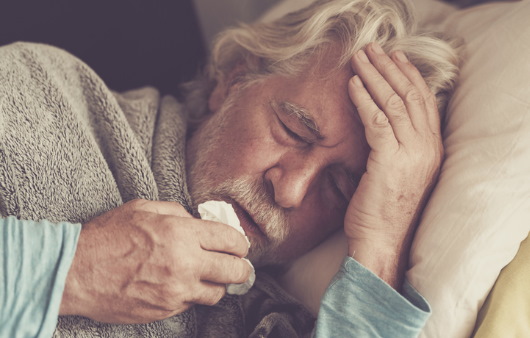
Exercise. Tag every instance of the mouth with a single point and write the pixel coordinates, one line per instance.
(252, 229)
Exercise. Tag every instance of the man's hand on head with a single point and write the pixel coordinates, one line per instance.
(402, 127)
(146, 261)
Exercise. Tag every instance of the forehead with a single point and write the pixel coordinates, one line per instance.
(322, 91)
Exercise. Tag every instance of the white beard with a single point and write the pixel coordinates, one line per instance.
(248, 192)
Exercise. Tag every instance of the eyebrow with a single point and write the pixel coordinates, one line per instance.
(302, 115)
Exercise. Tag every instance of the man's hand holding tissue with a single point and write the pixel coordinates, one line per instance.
(402, 127)
(146, 261)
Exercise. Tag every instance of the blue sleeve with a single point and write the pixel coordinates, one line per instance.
(359, 304)
(36, 257)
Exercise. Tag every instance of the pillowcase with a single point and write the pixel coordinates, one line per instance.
(479, 211)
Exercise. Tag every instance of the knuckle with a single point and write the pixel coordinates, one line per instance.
(413, 96)
(379, 119)
(394, 103)
(173, 225)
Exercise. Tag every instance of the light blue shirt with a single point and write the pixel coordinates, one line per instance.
(38, 255)
(360, 304)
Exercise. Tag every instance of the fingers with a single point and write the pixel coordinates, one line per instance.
(212, 236)
(160, 207)
(409, 100)
(415, 77)
(220, 237)
(218, 270)
(397, 89)
(383, 95)
(222, 268)
(378, 131)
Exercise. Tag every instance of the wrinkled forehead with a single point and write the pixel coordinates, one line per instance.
(322, 88)
(322, 92)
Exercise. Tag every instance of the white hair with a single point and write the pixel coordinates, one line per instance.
(285, 45)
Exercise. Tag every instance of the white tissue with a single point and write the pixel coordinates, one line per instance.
(222, 212)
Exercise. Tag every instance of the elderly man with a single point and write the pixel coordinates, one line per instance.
(305, 125)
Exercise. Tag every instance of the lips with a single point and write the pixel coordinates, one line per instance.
(246, 221)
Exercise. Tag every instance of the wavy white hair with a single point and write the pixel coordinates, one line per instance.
(285, 45)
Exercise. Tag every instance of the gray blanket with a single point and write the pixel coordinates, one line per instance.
(71, 149)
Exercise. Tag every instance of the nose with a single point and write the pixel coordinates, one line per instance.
(291, 180)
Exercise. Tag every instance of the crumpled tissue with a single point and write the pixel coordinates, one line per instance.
(222, 212)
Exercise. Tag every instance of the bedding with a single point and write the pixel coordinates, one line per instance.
(507, 308)
(479, 211)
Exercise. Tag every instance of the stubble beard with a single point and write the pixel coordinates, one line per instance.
(250, 193)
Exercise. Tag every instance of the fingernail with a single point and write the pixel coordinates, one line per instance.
(401, 56)
(362, 56)
(377, 48)
(357, 81)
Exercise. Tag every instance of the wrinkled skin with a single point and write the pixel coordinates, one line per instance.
(369, 170)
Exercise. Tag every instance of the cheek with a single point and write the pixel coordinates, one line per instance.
(250, 151)
(317, 222)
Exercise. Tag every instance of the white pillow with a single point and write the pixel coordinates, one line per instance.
(480, 210)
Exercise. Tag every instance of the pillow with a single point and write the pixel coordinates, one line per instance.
(507, 308)
(479, 211)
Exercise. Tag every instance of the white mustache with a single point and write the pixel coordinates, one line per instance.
(252, 196)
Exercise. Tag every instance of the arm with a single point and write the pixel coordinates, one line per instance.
(146, 261)
(141, 262)
(358, 302)
(36, 257)
(402, 127)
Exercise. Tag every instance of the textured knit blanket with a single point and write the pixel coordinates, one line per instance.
(71, 149)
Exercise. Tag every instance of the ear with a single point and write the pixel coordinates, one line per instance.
(218, 96)
(223, 87)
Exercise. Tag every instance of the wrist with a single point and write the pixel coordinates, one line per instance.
(68, 300)
(73, 290)
(387, 261)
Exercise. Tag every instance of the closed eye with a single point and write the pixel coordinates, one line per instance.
(296, 122)
(291, 133)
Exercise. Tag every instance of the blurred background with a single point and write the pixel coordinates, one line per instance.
(129, 43)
